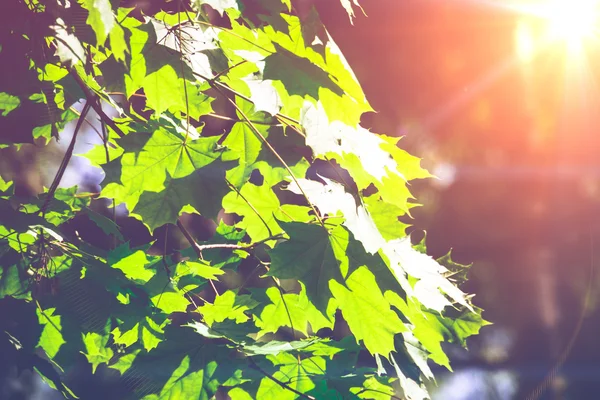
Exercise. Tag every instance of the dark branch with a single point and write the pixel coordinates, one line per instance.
(92, 98)
(65, 160)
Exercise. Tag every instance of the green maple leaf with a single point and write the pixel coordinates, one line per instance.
(228, 305)
(158, 208)
(307, 256)
(260, 209)
(4, 185)
(124, 362)
(11, 283)
(161, 171)
(51, 339)
(298, 75)
(97, 350)
(133, 265)
(239, 394)
(385, 216)
(426, 327)
(242, 144)
(107, 225)
(296, 374)
(191, 275)
(100, 18)
(258, 205)
(466, 324)
(184, 366)
(432, 288)
(68, 47)
(292, 310)
(331, 198)
(367, 312)
(375, 388)
(220, 5)
(139, 328)
(164, 88)
(8, 103)
(186, 382)
(170, 301)
(150, 156)
(118, 43)
(369, 158)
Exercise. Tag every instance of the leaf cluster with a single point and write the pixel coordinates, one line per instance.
(247, 114)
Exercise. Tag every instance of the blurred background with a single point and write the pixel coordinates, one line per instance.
(506, 119)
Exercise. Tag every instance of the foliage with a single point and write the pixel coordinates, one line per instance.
(309, 286)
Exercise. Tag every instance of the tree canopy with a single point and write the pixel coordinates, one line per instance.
(244, 113)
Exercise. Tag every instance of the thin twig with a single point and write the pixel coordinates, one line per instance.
(190, 239)
(241, 120)
(185, 91)
(91, 98)
(289, 125)
(231, 186)
(287, 310)
(213, 82)
(199, 248)
(274, 152)
(65, 160)
(292, 120)
(226, 70)
(218, 86)
(196, 248)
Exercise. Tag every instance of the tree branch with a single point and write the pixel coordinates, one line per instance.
(92, 99)
(241, 120)
(65, 161)
(199, 248)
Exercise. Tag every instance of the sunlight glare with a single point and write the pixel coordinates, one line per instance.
(571, 20)
(524, 42)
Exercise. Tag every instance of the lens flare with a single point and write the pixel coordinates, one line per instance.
(571, 20)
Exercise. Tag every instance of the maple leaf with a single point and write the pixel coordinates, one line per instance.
(309, 257)
(432, 287)
(292, 310)
(367, 312)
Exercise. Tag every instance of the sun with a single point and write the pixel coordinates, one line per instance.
(571, 21)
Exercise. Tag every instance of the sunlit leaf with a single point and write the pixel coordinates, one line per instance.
(100, 18)
(307, 256)
(368, 314)
(8, 103)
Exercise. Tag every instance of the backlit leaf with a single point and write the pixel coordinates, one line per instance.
(100, 18)
(367, 312)
(307, 256)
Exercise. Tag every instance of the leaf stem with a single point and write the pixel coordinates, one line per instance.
(275, 153)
